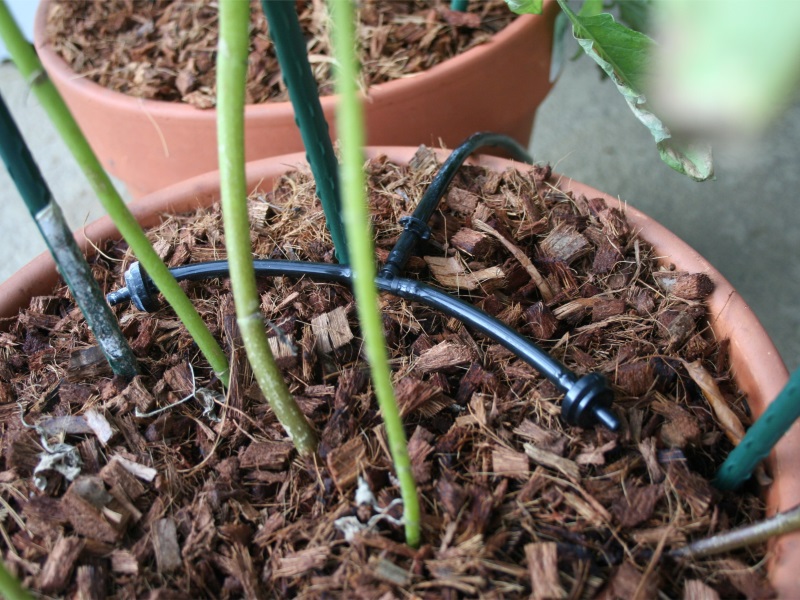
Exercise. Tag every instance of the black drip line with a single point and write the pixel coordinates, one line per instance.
(587, 399)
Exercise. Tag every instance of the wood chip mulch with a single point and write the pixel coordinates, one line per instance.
(166, 50)
(209, 499)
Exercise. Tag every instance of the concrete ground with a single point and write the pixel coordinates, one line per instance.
(746, 222)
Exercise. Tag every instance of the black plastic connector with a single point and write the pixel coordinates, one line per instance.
(416, 226)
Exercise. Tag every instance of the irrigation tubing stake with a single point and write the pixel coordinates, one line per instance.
(290, 46)
(761, 437)
(62, 245)
(30, 67)
(587, 399)
(415, 227)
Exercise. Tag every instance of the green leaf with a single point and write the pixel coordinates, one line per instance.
(525, 7)
(692, 158)
(591, 8)
(635, 13)
(559, 45)
(624, 55)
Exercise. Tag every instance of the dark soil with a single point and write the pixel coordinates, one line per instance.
(515, 503)
(165, 50)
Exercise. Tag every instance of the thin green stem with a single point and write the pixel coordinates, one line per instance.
(234, 20)
(24, 56)
(10, 588)
(350, 124)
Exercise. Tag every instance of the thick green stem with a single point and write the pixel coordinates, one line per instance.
(24, 56)
(290, 46)
(10, 588)
(350, 124)
(234, 19)
(63, 247)
(749, 535)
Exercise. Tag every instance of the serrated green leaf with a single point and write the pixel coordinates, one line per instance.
(525, 7)
(624, 55)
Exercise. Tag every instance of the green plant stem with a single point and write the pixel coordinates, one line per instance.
(24, 56)
(290, 46)
(779, 524)
(10, 588)
(234, 19)
(459, 5)
(350, 124)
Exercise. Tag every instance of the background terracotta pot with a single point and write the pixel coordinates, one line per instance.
(758, 368)
(152, 144)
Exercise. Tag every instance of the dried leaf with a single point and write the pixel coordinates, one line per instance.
(725, 416)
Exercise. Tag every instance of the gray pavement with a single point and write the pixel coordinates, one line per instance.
(746, 222)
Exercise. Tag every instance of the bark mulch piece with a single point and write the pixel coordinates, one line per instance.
(516, 504)
(166, 49)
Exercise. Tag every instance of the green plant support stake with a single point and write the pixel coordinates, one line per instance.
(234, 17)
(290, 46)
(350, 124)
(761, 437)
(459, 5)
(24, 56)
(55, 231)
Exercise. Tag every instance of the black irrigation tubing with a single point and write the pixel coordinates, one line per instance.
(415, 227)
(587, 399)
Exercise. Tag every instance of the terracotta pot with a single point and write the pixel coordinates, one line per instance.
(756, 364)
(150, 144)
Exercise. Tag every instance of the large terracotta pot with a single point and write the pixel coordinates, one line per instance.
(756, 364)
(151, 144)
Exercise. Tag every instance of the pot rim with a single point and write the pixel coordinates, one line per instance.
(58, 68)
(755, 362)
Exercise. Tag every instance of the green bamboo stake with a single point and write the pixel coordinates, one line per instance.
(234, 20)
(10, 587)
(761, 437)
(350, 124)
(24, 56)
(290, 46)
(63, 247)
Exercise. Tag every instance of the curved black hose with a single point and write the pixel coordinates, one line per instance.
(587, 399)
(416, 226)
(407, 289)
